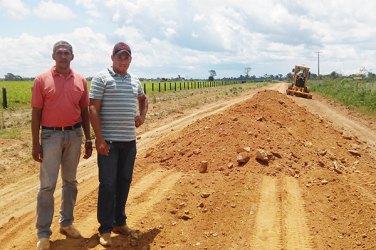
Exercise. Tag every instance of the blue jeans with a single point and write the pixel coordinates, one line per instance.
(59, 148)
(115, 177)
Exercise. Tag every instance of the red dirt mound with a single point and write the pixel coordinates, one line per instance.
(277, 135)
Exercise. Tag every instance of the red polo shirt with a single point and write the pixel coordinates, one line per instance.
(61, 99)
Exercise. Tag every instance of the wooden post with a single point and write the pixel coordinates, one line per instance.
(5, 101)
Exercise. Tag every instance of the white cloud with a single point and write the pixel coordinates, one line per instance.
(14, 8)
(170, 37)
(53, 11)
(91, 7)
(25, 59)
(92, 52)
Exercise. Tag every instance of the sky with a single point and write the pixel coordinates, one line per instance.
(171, 38)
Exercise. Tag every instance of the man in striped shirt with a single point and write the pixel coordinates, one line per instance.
(114, 97)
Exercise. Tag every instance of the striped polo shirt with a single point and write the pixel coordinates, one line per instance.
(119, 104)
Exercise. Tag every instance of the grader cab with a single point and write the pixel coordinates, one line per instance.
(299, 86)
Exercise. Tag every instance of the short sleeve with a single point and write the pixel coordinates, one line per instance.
(37, 95)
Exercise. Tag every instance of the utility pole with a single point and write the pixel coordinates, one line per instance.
(318, 65)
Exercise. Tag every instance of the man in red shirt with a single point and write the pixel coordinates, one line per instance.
(60, 108)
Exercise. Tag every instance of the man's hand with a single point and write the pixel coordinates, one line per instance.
(37, 152)
(88, 149)
(139, 120)
(102, 147)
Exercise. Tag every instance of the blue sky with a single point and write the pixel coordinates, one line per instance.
(188, 38)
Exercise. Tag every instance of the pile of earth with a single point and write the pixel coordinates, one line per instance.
(268, 134)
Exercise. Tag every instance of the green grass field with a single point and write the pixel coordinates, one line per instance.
(18, 93)
(358, 95)
(18, 114)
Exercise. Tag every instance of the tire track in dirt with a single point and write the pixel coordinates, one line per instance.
(296, 232)
(150, 195)
(16, 227)
(145, 193)
(280, 219)
(268, 219)
(23, 220)
(15, 194)
(20, 198)
(366, 184)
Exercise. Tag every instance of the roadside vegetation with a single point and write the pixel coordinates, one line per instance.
(17, 116)
(19, 92)
(357, 94)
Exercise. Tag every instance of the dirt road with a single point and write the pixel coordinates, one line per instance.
(307, 181)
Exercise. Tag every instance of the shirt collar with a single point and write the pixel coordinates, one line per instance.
(55, 73)
(113, 73)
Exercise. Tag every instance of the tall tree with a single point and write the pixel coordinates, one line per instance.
(212, 74)
(246, 71)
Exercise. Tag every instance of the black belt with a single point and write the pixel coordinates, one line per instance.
(77, 125)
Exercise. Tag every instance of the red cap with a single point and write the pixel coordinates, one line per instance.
(120, 47)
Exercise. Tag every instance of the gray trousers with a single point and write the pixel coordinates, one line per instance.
(60, 148)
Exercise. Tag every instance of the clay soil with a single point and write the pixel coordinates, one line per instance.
(282, 173)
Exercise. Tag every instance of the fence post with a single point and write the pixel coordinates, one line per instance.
(5, 101)
(152, 87)
(145, 88)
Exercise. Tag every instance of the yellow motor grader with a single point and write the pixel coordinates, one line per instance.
(299, 86)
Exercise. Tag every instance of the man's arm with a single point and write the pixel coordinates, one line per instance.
(86, 127)
(143, 109)
(100, 143)
(37, 152)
